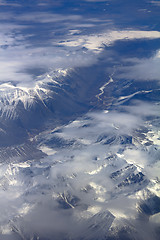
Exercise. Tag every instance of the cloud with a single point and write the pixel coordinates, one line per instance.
(96, 42)
(157, 3)
(104, 163)
(142, 109)
(83, 181)
(145, 69)
(21, 61)
(21, 64)
(12, 4)
(46, 17)
(27, 52)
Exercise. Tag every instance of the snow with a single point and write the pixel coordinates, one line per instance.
(47, 150)
(94, 209)
(11, 95)
(103, 88)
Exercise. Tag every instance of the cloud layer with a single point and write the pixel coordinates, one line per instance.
(96, 42)
(145, 69)
(99, 174)
(31, 44)
(97, 169)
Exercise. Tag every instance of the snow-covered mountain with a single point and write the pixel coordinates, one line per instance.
(25, 110)
(79, 120)
(80, 147)
(87, 174)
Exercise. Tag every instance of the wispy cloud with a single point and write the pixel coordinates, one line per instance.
(157, 3)
(46, 17)
(100, 166)
(142, 69)
(21, 64)
(96, 42)
(21, 61)
(11, 3)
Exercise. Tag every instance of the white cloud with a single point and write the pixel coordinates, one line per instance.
(77, 175)
(45, 17)
(142, 109)
(142, 69)
(6, 3)
(157, 3)
(96, 42)
(21, 61)
(19, 58)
